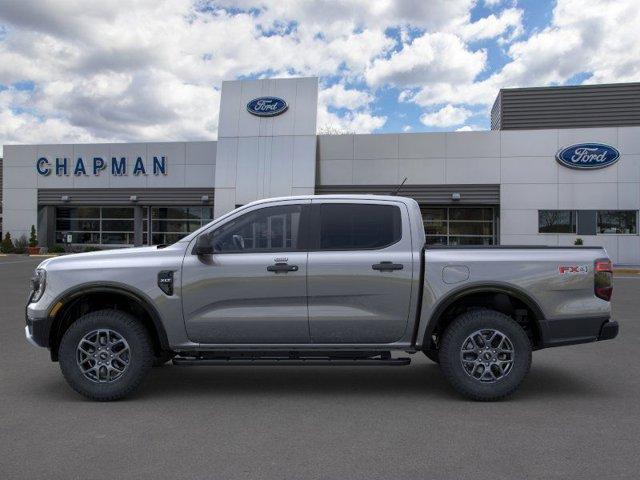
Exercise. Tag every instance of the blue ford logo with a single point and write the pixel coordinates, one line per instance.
(267, 106)
(588, 156)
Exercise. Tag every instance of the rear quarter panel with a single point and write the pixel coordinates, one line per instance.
(559, 293)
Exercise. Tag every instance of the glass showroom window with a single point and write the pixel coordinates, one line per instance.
(556, 221)
(618, 221)
(459, 225)
(94, 225)
(170, 224)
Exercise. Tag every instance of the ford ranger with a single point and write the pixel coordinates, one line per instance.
(316, 280)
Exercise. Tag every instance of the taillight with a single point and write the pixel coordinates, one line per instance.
(603, 279)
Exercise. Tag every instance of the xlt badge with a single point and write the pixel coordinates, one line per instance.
(165, 281)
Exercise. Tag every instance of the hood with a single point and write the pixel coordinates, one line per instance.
(113, 253)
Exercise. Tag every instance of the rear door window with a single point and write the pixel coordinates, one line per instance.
(350, 226)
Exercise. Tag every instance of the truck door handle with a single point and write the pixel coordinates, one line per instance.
(282, 267)
(387, 266)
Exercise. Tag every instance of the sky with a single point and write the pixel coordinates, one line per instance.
(73, 71)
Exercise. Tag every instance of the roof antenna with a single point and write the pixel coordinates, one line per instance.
(395, 192)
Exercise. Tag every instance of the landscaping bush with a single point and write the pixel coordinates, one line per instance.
(20, 245)
(92, 249)
(33, 238)
(57, 248)
(578, 242)
(7, 244)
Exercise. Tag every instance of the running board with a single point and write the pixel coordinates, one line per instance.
(286, 361)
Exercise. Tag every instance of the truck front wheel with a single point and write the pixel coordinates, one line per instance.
(485, 355)
(105, 355)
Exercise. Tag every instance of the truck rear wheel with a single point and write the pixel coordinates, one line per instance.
(105, 355)
(485, 355)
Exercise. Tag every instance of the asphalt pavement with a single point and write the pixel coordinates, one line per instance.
(576, 416)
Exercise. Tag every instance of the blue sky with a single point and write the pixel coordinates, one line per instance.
(77, 71)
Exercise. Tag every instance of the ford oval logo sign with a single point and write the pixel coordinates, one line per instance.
(588, 156)
(267, 106)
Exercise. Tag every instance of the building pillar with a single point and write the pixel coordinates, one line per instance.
(138, 217)
(46, 228)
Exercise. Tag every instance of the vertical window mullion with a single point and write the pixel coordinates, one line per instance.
(448, 217)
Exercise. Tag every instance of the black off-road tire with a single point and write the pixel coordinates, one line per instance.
(450, 355)
(140, 359)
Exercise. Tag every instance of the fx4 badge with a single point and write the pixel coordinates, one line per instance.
(573, 269)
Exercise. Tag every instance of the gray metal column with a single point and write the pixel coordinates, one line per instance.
(138, 217)
(46, 227)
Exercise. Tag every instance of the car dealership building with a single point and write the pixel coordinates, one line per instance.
(560, 163)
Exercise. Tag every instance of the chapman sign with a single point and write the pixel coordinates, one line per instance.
(267, 106)
(588, 156)
(118, 166)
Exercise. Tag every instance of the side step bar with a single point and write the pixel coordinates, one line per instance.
(289, 361)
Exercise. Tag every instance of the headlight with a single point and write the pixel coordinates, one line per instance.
(38, 284)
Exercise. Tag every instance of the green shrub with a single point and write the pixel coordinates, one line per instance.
(92, 248)
(7, 244)
(33, 238)
(578, 242)
(57, 248)
(20, 245)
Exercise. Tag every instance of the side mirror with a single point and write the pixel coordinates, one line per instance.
(203, 246)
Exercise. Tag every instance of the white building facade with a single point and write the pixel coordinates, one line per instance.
(491, 187)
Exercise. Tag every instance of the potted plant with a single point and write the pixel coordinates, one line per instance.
(578, 242)
(33, 249)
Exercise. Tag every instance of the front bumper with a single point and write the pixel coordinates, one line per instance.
(571, 331)
(29, 335)
(37, 331)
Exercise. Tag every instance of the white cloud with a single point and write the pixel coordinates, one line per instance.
(441, 57)
(357, 119)
(407, 128)
(469, 128)
(447, 116)
(358, 122)
(325, 14)
(509, 22)
(340, 97)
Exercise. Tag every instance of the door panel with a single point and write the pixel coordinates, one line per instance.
(253, 288)
(233, 298)
(352, 299)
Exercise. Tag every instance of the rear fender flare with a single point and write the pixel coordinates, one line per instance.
(489, 288)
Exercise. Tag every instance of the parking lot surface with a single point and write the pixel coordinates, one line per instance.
(576, 416)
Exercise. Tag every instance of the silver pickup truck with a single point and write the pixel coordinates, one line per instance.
(316, 280)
